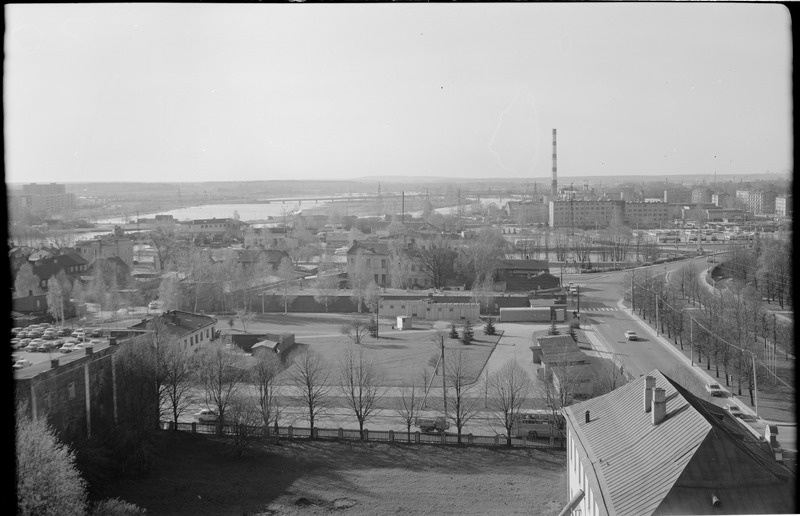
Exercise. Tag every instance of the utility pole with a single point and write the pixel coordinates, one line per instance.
(578, 288)
(691, 341)
(656, 315)
(444, 384)
(633, 272)
(755, 382)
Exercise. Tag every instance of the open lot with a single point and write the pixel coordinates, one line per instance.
(401, 354)
(200, 475)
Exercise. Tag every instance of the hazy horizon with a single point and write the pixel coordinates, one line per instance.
(353, 92)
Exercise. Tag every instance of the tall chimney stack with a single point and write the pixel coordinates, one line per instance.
(659, 405)
(649, 385)
(554, 188)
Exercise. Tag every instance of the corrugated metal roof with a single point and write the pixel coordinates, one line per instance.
(638, 464)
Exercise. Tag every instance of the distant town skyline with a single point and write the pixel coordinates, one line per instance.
(199, 92)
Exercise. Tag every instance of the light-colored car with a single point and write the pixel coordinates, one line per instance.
(79, 334)
(714, 389)
(206, 416)
(153, 305)
(22, 362)
(67, 347)
(46, 347)
(86, 344)
(631, 335)
(733, 410)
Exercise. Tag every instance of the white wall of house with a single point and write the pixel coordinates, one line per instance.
(577, 479)
(200, 336)
(422, 309)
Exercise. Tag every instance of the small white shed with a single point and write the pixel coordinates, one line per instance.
(403, 322)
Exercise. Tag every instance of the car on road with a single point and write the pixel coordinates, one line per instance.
(67, 347)
(733, 410)
(22, 362)
(631, 335)
(714, 389)
(206, 416)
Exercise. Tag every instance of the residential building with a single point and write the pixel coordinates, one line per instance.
(564, 364)
(107, 247)
(719, 199)
(647, 214)
(784, 206)
(230, 227)
(186, 328)
(701, 196)
(46, 198)
(527, 212)
(761, 202)
(70, 262)
(74, 392)
(376, 260)
(263, 237)
(677, 196)
(652, 447)
(586, 214)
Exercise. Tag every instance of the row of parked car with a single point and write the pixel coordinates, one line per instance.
(47, 338)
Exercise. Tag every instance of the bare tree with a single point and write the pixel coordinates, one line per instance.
(309, 374)
(410, 402)
(176, 373)
(243, 416)
(165, 243)
(360, 382)
(356, 330)
(58, 288)
(325, 287)
(436, 257)
(287, 274)
(509, 388)
(359, 276)
(264, 376)
(244, 315)
(220, 373)
(461, 378)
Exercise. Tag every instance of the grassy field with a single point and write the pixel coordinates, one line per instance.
(402, 355)
(199, 475)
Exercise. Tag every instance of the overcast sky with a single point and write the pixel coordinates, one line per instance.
(193, 92)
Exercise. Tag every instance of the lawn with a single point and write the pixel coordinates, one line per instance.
(401, 355)
(199, 475)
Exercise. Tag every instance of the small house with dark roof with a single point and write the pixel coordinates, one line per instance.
(70, 262)
(187, 328)
(564, 364)
(652, 447)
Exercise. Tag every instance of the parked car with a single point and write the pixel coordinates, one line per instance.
(23, 334)
(631, 335)
(206, 416)
(94, 333)
(153, 305)
(733, 410)
(31, 347)
(15, 343)
(64, 332)
(22, 362)
(68, 347)
(79, 334)
(714, 389)
(36, 333)
(46, 347)
(50, 334)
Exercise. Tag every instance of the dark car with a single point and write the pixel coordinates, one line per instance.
(94, 333)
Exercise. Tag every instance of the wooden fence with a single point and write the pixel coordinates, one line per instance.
(342, 434)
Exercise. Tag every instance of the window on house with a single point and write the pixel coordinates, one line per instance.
(383, 263)
(71, 390)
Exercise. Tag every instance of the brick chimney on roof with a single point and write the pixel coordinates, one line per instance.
(659, 405)
(649, 385)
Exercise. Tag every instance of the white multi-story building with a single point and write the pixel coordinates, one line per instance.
(586, 214)
(784, 206)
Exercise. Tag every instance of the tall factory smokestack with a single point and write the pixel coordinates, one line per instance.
(554, 188)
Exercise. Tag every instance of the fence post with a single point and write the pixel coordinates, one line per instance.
(416, 437)
(341, 433)
(289, 431)
(366, 434)
(444, 438)
(171, 425)
(496, 440)
(470, 438)
(315, 433)
(194, 427)
(391, 436)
